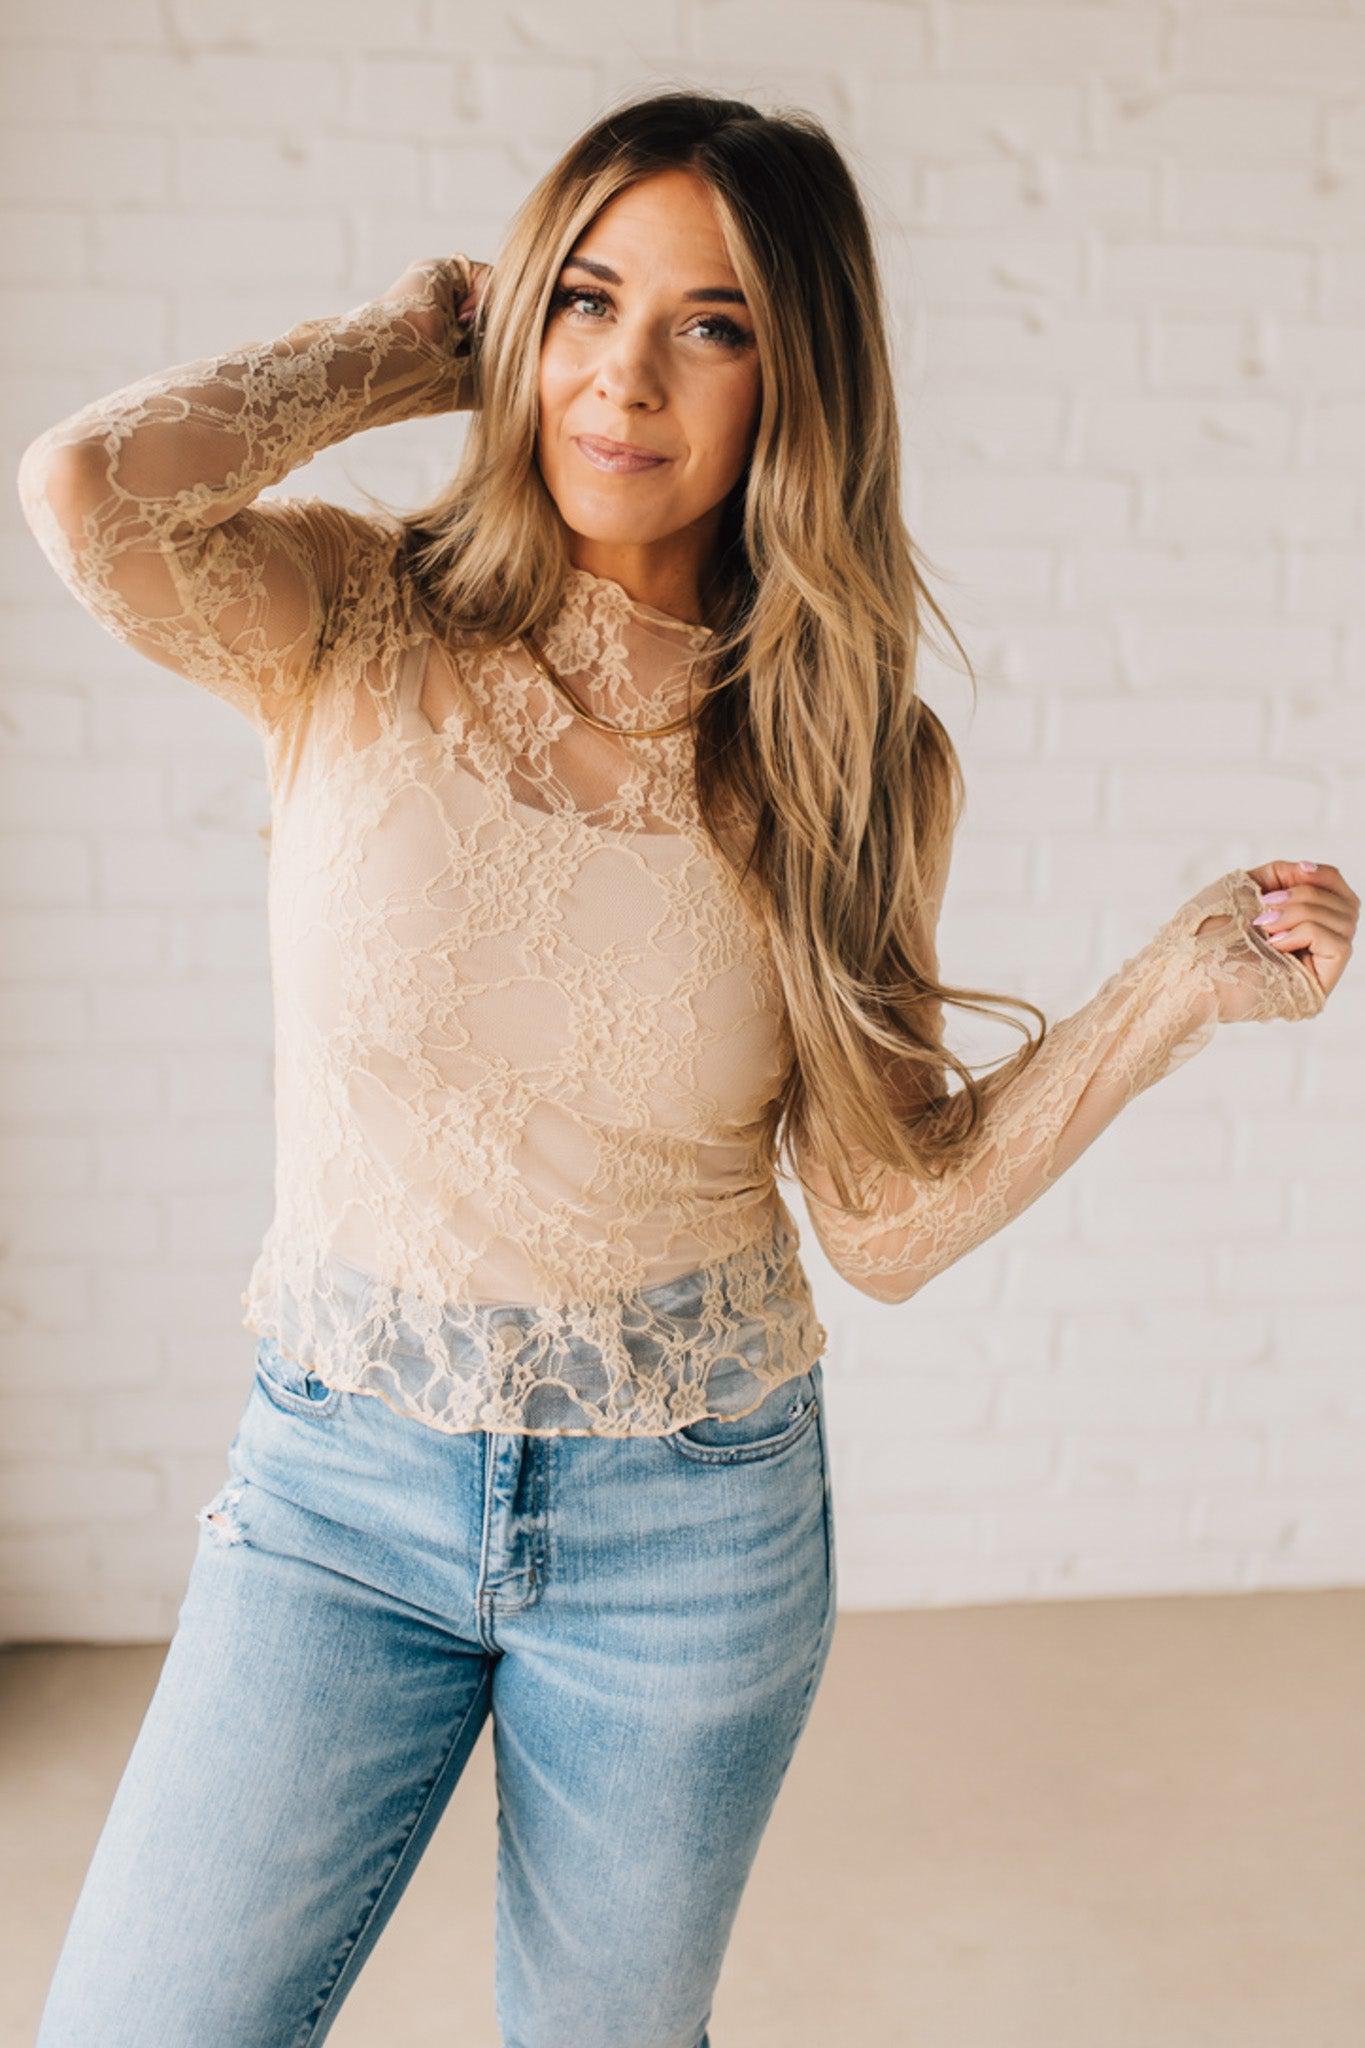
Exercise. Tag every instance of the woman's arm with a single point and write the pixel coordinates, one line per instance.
(1206, 966)
(142, 501)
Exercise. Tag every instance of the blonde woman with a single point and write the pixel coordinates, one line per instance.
(609, 836)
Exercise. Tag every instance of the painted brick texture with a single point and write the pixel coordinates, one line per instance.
(1123, 246)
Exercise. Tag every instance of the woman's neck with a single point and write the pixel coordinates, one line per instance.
(669, 578)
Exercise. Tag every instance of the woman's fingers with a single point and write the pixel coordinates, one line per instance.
(1277, 874)
(1336, 884)
(1321, 946)
(1285, 874)
(479, 274)
(1297, 929)
(1309, 910)
(1307, 900)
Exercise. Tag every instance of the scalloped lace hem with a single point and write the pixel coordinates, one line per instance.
(712, 1342)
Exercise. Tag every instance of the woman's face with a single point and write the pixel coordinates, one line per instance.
(648, 342)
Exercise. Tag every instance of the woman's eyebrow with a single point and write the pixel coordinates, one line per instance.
(725, 292)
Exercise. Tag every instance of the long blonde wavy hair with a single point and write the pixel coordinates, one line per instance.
(810, 730)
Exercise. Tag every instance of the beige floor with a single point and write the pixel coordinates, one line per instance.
(1108, 1824)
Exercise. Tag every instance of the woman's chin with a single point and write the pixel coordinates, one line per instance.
(612, 526)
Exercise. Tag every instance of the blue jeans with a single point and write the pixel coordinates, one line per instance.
(647, 1620)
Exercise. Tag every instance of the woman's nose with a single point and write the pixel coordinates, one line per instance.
(626, 375)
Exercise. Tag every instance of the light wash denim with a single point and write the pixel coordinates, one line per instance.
(646, 1619)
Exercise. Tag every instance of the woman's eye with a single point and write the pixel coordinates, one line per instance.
(565, 296)
(728, 333)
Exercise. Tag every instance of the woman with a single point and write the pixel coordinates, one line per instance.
(609, 838)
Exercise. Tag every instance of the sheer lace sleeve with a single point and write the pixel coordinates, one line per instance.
(1206, 966)
(142, 501)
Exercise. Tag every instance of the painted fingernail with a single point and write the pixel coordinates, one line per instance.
(1273, 895)
(1311, 866)
(1267, 917)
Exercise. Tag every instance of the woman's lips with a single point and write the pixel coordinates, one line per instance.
(610, 455)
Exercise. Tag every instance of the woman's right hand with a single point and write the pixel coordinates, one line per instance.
(479, 276)
(439, 293)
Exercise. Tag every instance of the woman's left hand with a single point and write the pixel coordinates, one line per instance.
(1308, 910)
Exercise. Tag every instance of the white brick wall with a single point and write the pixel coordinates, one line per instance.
(1123, 245)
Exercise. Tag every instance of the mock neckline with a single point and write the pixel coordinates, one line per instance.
(633, 663)
(588, 581)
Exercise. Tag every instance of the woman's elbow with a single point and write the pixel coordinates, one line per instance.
(889, 1291)
(63, 478)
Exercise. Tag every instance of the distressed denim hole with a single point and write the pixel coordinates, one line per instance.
(218, 1518)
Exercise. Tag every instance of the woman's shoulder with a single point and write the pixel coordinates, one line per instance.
(364, 582)
(364, 626)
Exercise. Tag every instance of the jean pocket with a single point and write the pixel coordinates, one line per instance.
(779, 1421)
(290, 1384)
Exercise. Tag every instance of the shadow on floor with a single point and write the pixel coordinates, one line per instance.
(1077, 1824)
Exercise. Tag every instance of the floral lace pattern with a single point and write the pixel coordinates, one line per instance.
(526, 1023)
(1207, 965)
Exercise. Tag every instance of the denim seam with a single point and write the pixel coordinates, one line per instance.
(539, 1451)
(747, 1454)
(340, 1961)
(831, 1567)
(822, 1646)
(292, 1402)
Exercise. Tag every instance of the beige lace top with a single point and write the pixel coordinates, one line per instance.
(525, 1018)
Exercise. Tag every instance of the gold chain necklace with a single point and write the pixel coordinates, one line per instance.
(625, 732)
